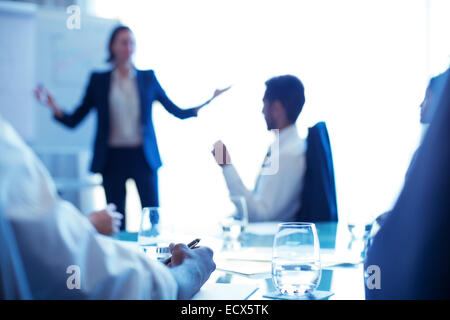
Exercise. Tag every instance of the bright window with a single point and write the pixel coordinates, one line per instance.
(365, 66)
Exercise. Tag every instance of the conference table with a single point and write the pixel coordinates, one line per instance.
(244, 265)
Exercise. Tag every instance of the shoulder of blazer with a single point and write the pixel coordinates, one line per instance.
(146, 74)
(101, 76)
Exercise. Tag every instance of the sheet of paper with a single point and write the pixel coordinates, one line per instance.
(316, 295)
(252, 269)
(329, 257)
(225, 291)
(262, 254)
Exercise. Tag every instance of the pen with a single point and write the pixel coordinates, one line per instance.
(190, 245)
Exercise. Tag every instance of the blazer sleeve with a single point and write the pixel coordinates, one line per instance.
(169, 105)
(73, 119)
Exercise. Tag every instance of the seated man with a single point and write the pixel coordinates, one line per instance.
(52, 237)
(276, 195)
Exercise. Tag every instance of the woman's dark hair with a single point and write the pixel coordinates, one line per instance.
(289, 91)
(113, 37)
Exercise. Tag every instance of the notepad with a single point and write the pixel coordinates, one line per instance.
(226, 291)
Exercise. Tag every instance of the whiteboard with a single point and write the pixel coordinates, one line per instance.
(64, 60)
(17, 69)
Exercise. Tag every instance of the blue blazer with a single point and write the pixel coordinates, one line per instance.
(412, 246)
(97, 96)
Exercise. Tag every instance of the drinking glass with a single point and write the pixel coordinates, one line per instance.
(234, 225)
(150, 240)
(296, 268)
(360, 228)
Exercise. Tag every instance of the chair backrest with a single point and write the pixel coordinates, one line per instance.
(13, 280)
(318, 198)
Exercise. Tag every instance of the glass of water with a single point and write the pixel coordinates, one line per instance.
(150, 239)
(296, 268)
(234, 225)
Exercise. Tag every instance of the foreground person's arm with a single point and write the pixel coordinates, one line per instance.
(63, 255)
(191, 268)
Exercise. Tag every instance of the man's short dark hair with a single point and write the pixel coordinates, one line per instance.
(437, 83)
(289, 91)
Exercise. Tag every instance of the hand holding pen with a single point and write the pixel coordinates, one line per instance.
(191, 245)
(190, 266)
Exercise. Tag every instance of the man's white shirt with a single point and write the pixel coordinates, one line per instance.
(53, 235)
(276, 196)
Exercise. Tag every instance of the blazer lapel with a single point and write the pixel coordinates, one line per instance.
(106, 86)
(141, 89)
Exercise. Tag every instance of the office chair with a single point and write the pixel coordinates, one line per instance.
(13, 280)
(318, 198)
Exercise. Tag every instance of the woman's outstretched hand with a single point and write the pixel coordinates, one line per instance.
(217, 93)
(44, 97)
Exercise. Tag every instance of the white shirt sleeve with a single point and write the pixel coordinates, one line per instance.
(278, 195)
(54, 238)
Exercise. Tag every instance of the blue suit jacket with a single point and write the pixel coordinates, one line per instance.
(97, 96)
(412, 247)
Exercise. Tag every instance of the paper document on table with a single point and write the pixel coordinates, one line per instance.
(330, 258)
(225, 291)
(262, 254)
(251, 269)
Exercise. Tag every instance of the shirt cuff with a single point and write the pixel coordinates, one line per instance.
(168, 287)
(62, 118)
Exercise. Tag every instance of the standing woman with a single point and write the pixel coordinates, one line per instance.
(125, 142)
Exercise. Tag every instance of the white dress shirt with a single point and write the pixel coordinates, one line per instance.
(276, 196)
(124, 110)
(52, 235)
